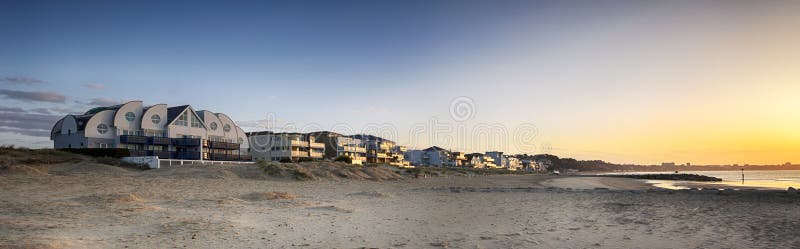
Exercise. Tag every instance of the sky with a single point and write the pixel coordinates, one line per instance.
(645, 82)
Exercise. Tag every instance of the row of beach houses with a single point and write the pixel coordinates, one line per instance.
(183, 133)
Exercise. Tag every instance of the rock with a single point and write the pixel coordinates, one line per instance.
(791, 191)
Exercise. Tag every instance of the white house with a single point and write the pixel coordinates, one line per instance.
(167, 132)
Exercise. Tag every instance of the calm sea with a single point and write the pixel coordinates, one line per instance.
(762, 179)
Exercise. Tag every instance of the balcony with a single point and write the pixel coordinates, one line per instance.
(317, 145)
(186, 142)
(160, 154)
(299, 153)
(132, 139)
(223, 145)
(316, 154)
(223, 157)
(188, 155)
(159, 140)
(299, 143)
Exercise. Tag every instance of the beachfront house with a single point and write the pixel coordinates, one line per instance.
(398, 156)
(512, 163)
(379, 150)
(177, 132)
(285, 146)
(337, 145)
(458, 159)
(497, 157)
(433, 156)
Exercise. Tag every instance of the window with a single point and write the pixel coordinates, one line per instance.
(226, 128)
(195, 121)
(183, 120)
(130, 116)
(102, 128)
(155, 118)
(214, 126)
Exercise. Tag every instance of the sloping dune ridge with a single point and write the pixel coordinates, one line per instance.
(85, 203)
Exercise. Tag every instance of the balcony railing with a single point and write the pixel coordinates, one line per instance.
(299, 153)
(188, 155)
(223, 157)
(159, 140)
(186, 142)
(316, 155)
(317, 145)
(160, 154)
(132, 139)
(299, 143)
(223, 145)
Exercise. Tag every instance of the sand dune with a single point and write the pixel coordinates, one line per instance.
(73, 206)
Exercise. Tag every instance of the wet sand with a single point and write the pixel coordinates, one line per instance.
(92, 206)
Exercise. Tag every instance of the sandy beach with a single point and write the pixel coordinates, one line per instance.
(100, 206)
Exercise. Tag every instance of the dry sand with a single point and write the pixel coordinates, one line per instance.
(98, 206)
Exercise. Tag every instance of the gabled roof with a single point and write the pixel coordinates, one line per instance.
(435, 148)
(174, 112)
(325, 133)
(367, 137)
(82, 120)
(201, 113)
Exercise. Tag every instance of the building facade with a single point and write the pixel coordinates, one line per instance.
(166, 132)
(433, 157)
(478, 160)
(382, 151)
(285, 146)
(337, 145)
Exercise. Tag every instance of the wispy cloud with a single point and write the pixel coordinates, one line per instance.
(21, 121)
(103, 102)
(371, 110)
(95, 86)
(33, 96)
(64, 110)
(21, 80)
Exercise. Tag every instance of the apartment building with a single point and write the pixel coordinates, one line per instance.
(497, 157)
(433, 156)
(398, 156)
(285, 146)
(336, 145)
(478, 160)
(383, 151)
(166, 132)
(458, 159)
(512, 163)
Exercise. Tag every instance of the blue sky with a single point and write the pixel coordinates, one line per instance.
(595, 78)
